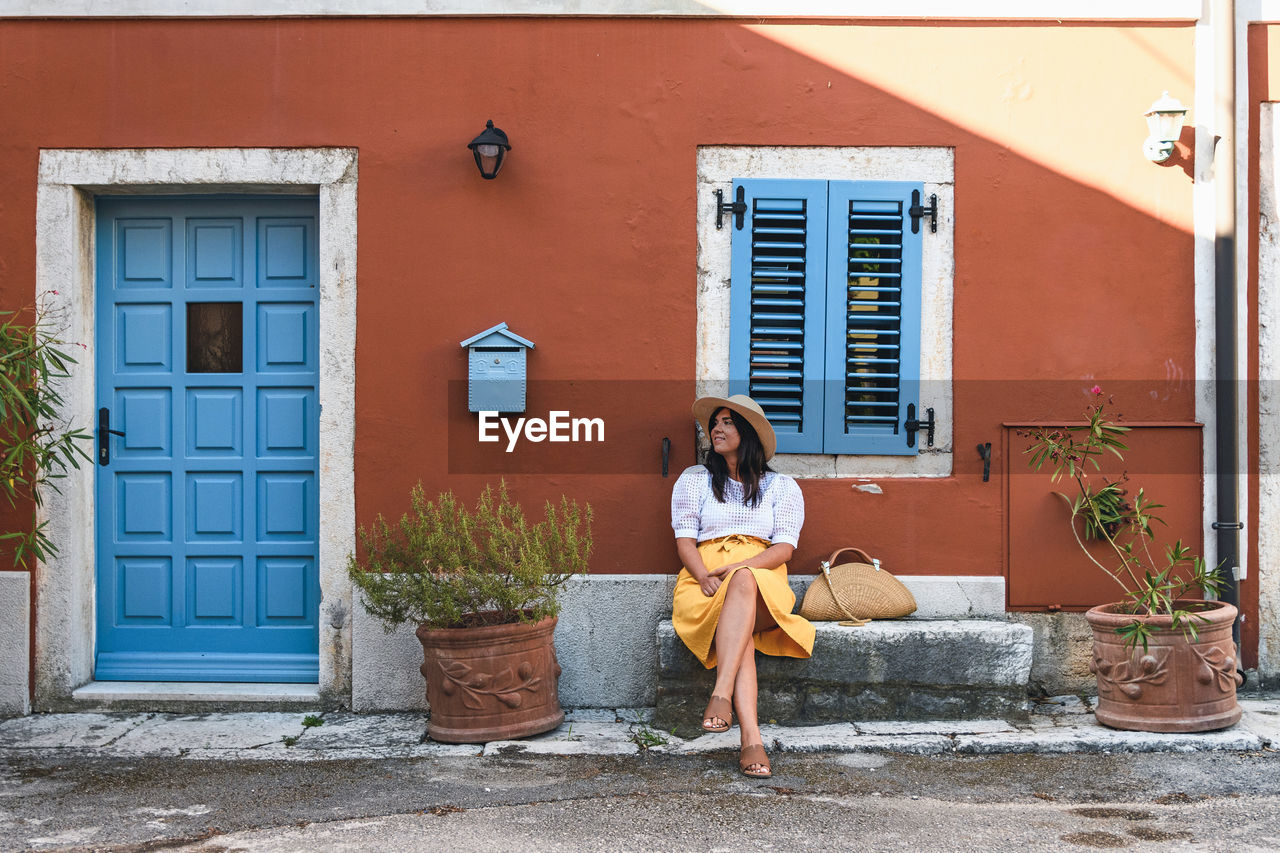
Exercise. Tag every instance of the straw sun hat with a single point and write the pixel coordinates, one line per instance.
(705, 407)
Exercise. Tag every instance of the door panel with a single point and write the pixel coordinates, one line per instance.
(208, 512)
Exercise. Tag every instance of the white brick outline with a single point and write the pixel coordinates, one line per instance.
(719, 165)
(67, 183)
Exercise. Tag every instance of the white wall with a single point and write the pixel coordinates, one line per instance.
(1269, 396)
(1045, 10)
(15, 643)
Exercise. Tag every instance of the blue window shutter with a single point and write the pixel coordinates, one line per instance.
(778, 295)
(873, 318)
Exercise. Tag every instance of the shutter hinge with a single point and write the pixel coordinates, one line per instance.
(916, 211)
(738, 208)
(913, 425)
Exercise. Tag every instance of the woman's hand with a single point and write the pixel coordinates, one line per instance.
(716, 576)
(688, 551)
(728, 567)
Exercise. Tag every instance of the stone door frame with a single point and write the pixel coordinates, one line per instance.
(68, 182)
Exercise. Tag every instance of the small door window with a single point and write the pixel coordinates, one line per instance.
(215, 338)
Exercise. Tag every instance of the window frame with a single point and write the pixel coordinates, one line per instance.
(718, 166)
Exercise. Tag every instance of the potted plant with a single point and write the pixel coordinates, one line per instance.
(1163, 655)
(482, 588)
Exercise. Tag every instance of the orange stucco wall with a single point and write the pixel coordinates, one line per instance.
(1073, 260)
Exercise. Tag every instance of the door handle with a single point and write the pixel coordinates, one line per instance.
(104, 436)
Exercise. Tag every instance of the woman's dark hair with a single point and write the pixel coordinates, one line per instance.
(751, 462)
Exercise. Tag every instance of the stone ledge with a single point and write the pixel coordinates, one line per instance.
(15, 614)
(604, 640)
(182, 697)
(891, 670)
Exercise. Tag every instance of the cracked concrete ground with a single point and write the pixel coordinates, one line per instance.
(1059, 725)
(607, 780)
(819, 801)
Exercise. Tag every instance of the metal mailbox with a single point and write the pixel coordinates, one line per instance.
(496, 370)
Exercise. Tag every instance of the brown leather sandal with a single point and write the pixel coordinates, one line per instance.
(753, 755)
(719, 708)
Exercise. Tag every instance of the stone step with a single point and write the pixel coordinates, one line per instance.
(184, 697)
(908, 669)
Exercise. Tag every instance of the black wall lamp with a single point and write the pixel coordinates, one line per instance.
(489, 149)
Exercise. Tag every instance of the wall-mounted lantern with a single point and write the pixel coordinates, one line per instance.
(489, 149)
(1164, 126)
(496, 370)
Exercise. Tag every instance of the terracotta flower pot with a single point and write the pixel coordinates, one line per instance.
(491, 683)
(1175, 684)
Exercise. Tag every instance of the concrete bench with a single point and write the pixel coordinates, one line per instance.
(909, 669)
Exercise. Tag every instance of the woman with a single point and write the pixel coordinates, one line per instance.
(736, 524)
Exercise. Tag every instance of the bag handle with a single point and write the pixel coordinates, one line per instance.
(866, 558)
(849, 619)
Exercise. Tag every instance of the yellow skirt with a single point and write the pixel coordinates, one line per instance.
(695, 616)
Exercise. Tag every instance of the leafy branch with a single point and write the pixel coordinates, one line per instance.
(36, 448)
(444, 566)
(1105, 513)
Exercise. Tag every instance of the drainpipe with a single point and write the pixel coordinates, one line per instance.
(1228, 525)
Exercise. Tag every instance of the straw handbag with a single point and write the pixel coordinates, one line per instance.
(855, 593)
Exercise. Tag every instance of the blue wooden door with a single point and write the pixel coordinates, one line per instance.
(207, 503)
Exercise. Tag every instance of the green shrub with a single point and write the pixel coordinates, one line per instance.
(36, 449)
(446, 567)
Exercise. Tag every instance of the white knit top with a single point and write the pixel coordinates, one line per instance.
(696, 514)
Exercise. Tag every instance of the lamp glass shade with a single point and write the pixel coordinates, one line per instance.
(489, 149)
(1164, 119)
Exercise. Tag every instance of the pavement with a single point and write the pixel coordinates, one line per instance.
(1063, 724)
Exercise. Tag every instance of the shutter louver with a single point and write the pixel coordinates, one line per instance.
(873, 327)
(873, 318)
(778, 230)
(778, 305)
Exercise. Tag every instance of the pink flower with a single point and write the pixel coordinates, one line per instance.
(1096, 390)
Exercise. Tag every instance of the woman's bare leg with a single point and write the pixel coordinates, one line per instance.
(733, 631)
(746, 689)
(744, 699)
(764, 619)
